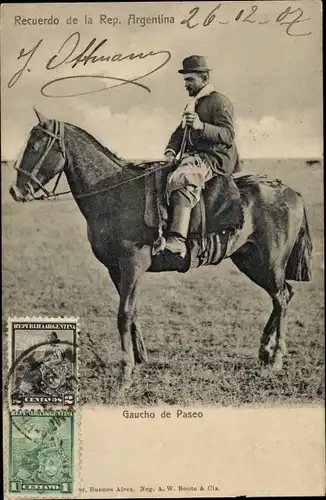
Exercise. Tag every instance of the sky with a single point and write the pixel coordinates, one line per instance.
(273, 80)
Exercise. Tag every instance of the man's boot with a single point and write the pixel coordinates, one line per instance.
(181, 211)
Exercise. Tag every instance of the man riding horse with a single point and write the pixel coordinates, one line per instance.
(272, 246)
(205, 141)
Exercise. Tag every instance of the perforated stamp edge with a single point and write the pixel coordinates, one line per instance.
(6, 350)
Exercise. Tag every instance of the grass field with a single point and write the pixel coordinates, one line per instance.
(201, 329)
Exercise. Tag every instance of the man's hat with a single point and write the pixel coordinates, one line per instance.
(194, 64)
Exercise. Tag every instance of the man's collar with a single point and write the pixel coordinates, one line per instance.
(205, 91)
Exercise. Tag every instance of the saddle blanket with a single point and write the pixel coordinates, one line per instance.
(210, 250)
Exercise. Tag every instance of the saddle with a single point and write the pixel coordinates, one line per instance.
(217, 217)
(219, 210)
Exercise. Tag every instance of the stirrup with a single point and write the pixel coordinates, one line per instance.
(159, 245)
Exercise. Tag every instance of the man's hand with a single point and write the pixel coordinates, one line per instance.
(192, 120)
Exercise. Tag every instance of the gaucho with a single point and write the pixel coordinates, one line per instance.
(207, 136)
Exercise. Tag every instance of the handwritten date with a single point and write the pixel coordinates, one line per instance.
(288, 18)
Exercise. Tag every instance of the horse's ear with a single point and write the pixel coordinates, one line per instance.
(40, 117)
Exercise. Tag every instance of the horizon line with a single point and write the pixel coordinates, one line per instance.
(244, 158)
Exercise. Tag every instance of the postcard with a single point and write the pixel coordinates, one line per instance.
(162, 238)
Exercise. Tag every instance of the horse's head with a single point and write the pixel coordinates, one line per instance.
(43, 157)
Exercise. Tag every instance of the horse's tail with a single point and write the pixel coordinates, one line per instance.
(299, 266)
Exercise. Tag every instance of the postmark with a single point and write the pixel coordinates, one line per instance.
(41, 452)
(42, 361)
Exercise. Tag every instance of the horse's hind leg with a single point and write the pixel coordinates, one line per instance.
(269, 336)
(280, 301)
(252, 262)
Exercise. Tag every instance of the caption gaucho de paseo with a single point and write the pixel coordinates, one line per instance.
(179, 413)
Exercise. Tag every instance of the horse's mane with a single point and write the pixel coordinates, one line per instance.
(99, 146)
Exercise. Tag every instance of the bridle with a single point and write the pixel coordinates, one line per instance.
(56, 135)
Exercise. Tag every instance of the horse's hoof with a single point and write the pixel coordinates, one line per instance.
(277, 364)
(125, 379)
(124, 383)
(264, 355)
(136, 369)
(141, 358)
(277, 367)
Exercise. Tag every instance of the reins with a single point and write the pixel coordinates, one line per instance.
(98, 191)
(103, 190)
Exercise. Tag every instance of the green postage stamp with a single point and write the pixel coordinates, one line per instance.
(41, 452)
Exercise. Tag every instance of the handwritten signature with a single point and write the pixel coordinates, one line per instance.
(70, 54)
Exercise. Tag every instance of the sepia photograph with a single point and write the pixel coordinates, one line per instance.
(162, 182)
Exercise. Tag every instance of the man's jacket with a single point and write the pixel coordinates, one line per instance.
(216, 140)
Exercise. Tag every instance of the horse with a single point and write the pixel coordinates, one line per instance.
(273, 245)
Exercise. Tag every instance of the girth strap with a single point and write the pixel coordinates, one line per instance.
(160, 243)
(203, 223)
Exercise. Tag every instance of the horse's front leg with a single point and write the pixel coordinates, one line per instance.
(132, 266)
(140, 352)
(139, 347)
